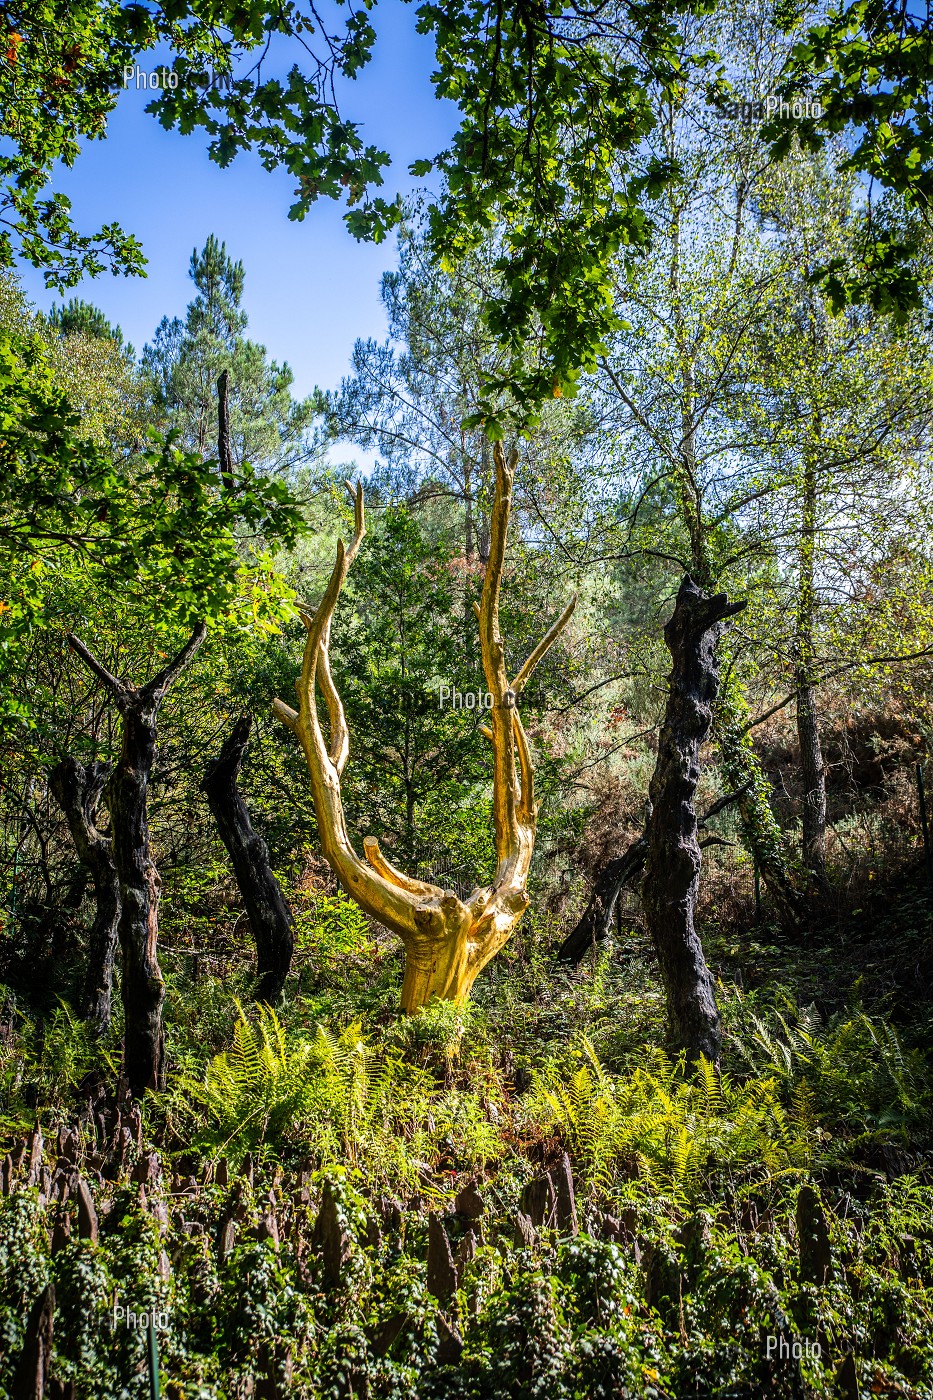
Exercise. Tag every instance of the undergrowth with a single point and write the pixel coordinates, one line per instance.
(686, 1179)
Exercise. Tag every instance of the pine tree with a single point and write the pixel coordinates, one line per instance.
(182, 364)
(77, 317)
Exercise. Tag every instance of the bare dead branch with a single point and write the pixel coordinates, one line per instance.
(118, 689)
(545, 644)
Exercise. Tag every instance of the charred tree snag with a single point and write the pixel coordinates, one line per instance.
(269, 913)
(126, 797)
(596, 920)
(447, 940)
(672, 868)
(224, 454)
(78, 789)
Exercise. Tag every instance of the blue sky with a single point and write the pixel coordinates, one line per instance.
(311, 289)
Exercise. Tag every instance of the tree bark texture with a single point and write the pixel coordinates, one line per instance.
(126, 796)
(140, 887)
(270, 915)
(596, 920)
(79, 789)
(672, 868)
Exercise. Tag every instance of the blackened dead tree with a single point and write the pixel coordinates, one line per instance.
(595, 922)
(270, 915)
(672, 868)
(224, 454)
(126, 797)
(78, 789)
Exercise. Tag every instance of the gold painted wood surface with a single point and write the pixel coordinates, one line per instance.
(447, 941)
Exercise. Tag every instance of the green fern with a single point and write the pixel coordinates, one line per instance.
(334, 1095)
(676, 1130)
(854, 1073)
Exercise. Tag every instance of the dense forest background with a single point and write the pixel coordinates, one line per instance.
(544, 1190)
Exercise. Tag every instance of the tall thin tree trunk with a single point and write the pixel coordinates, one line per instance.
(469, 542)
(126, 796)
(813, 773)
(469, 547)
(481, 518)
(691, 503)
(78, 789)
(269, 912)
(672, 868)
(812, 769)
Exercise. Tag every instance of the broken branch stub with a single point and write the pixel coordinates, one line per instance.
(447, 941)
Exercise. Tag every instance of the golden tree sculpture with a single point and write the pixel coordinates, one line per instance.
(447, 941)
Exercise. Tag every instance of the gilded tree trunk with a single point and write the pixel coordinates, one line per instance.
(78, 789)
(269, 913)
(672, 868)
(447, 940)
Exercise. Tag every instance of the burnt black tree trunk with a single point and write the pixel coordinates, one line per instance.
(269, 913)
(78, 789)
(224, 453)
(126, 797)
(596, 920)
(672, 868)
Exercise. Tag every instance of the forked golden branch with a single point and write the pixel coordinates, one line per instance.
(447, 941)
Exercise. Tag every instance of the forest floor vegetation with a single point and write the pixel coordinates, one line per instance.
(523, 1196)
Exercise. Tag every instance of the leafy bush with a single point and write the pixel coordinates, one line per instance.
(333, 928)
